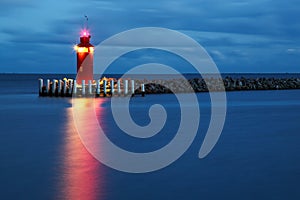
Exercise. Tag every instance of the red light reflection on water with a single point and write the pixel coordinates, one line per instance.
(82, 175)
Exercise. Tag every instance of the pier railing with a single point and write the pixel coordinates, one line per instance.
(91, 88)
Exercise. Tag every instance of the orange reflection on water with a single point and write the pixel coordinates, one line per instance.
(82, 176)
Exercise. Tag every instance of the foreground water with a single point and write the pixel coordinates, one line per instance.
(42, 157)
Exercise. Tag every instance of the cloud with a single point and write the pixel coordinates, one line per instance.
(8, 7)
(217, 54)
(236, 33)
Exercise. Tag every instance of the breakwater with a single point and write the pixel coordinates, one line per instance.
(123, 87)
(213, 84)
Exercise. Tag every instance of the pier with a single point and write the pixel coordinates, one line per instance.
(108, 87)
(92, 88)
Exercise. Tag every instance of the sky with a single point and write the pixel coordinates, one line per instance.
(241, 36)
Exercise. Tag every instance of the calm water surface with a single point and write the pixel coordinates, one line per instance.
(42, 157)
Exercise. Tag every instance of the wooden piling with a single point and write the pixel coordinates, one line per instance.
(70, 87)
(98, 88)
(104, 88)
(132, 88)
(59, 87)
(112, 87)
(90, 87)
(83, 88)
(65, 88)
(119, 87)
(48, 86)
(74, 87)
(53, 89)
(126, 88)
(41, 85)
(143, 90)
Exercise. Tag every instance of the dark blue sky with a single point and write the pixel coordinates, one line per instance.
(241, 36)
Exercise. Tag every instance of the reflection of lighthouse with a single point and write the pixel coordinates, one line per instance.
(85, 58)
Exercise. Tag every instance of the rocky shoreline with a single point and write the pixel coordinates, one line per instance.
(213, 84)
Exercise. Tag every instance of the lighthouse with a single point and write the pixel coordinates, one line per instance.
(85, 57)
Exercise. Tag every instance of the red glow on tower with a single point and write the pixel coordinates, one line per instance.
(85, 57)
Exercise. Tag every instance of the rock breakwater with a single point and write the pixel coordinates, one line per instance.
(213, 84)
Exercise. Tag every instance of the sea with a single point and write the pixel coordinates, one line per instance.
(42, 156)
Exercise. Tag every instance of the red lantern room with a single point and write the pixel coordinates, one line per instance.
(85, 57)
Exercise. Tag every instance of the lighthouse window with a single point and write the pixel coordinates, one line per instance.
(83, 50)
(91, 49)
